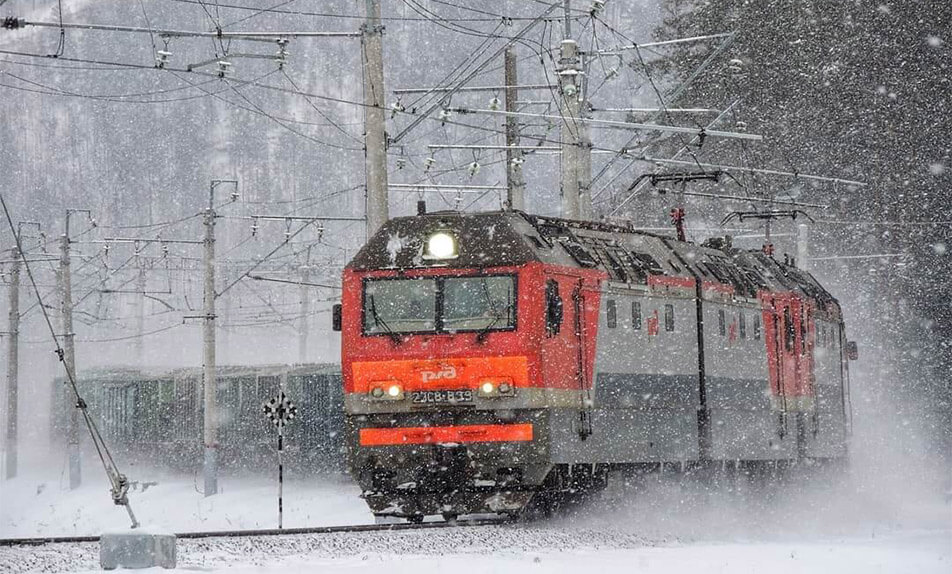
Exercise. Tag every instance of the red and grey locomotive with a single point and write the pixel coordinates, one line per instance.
(494, 359)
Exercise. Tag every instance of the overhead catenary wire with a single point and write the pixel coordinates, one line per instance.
(671, 96)
(684, 148)
(310, 13)
(706, 165)
(251, 82)
(471, 75)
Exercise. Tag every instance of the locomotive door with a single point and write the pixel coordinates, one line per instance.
(563, 352)
(781, 341)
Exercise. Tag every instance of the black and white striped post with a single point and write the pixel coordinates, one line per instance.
(281, 411)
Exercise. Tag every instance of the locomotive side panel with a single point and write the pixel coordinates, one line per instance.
(827, 427)
(646, 393)
(746, 423)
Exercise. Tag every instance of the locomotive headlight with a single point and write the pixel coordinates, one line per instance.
(488, 389)
(441, 245)
(391, 392)
(495, 388)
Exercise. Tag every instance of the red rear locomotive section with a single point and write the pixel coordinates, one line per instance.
(487, 363)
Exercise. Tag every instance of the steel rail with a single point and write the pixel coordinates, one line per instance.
(36, 541)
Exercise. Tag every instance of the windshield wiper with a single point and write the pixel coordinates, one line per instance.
(484, 332)
(379, 322)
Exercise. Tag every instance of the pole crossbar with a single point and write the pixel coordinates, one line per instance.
(501, 88)
(162, 33)
(624, 125)
(757, 170)
(621, 49)
(435, 186)
(495, 147)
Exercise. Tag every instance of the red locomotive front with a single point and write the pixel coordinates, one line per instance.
(451, 360)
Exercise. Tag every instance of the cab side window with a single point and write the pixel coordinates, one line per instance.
(669, 318)
(636, 315)
(553, 308)
(612, 313)
(789, 330)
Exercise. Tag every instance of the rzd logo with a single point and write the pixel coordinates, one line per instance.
(447, 372)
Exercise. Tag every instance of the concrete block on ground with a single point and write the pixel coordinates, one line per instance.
(139, 548)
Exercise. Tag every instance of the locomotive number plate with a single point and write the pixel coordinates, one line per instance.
(441, 397)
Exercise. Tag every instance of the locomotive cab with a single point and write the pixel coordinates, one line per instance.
(453, 348)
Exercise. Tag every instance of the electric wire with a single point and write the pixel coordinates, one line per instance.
(255, 14)
(116, 478)
(351, 16)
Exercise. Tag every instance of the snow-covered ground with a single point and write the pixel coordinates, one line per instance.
(652, 524)
(521, 549)
(34, 505)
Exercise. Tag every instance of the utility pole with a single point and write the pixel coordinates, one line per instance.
(226, 340)
(515, 181)
(303, 324)
(567, 16)
(803, 246)
(57, 393)
(140, 312)
(12, 366)
(209, 384)
(571, 127)
(69, 358)
(375, 135)
(585, 149)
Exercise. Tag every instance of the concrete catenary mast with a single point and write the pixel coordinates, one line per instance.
(375, 134)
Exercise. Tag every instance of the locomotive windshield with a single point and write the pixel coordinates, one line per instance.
(439, 304)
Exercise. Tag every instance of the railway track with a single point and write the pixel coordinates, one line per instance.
(299, 549)
(271, 531)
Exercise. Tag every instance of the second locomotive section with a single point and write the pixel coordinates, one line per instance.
(471, 343)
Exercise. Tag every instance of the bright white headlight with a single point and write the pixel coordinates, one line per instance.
(394, 391)
(487, 388)
(441, 245)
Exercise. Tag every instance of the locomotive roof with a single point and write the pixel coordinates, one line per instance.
(513, 238)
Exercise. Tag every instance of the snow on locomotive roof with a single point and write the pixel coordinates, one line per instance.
(513, 238)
